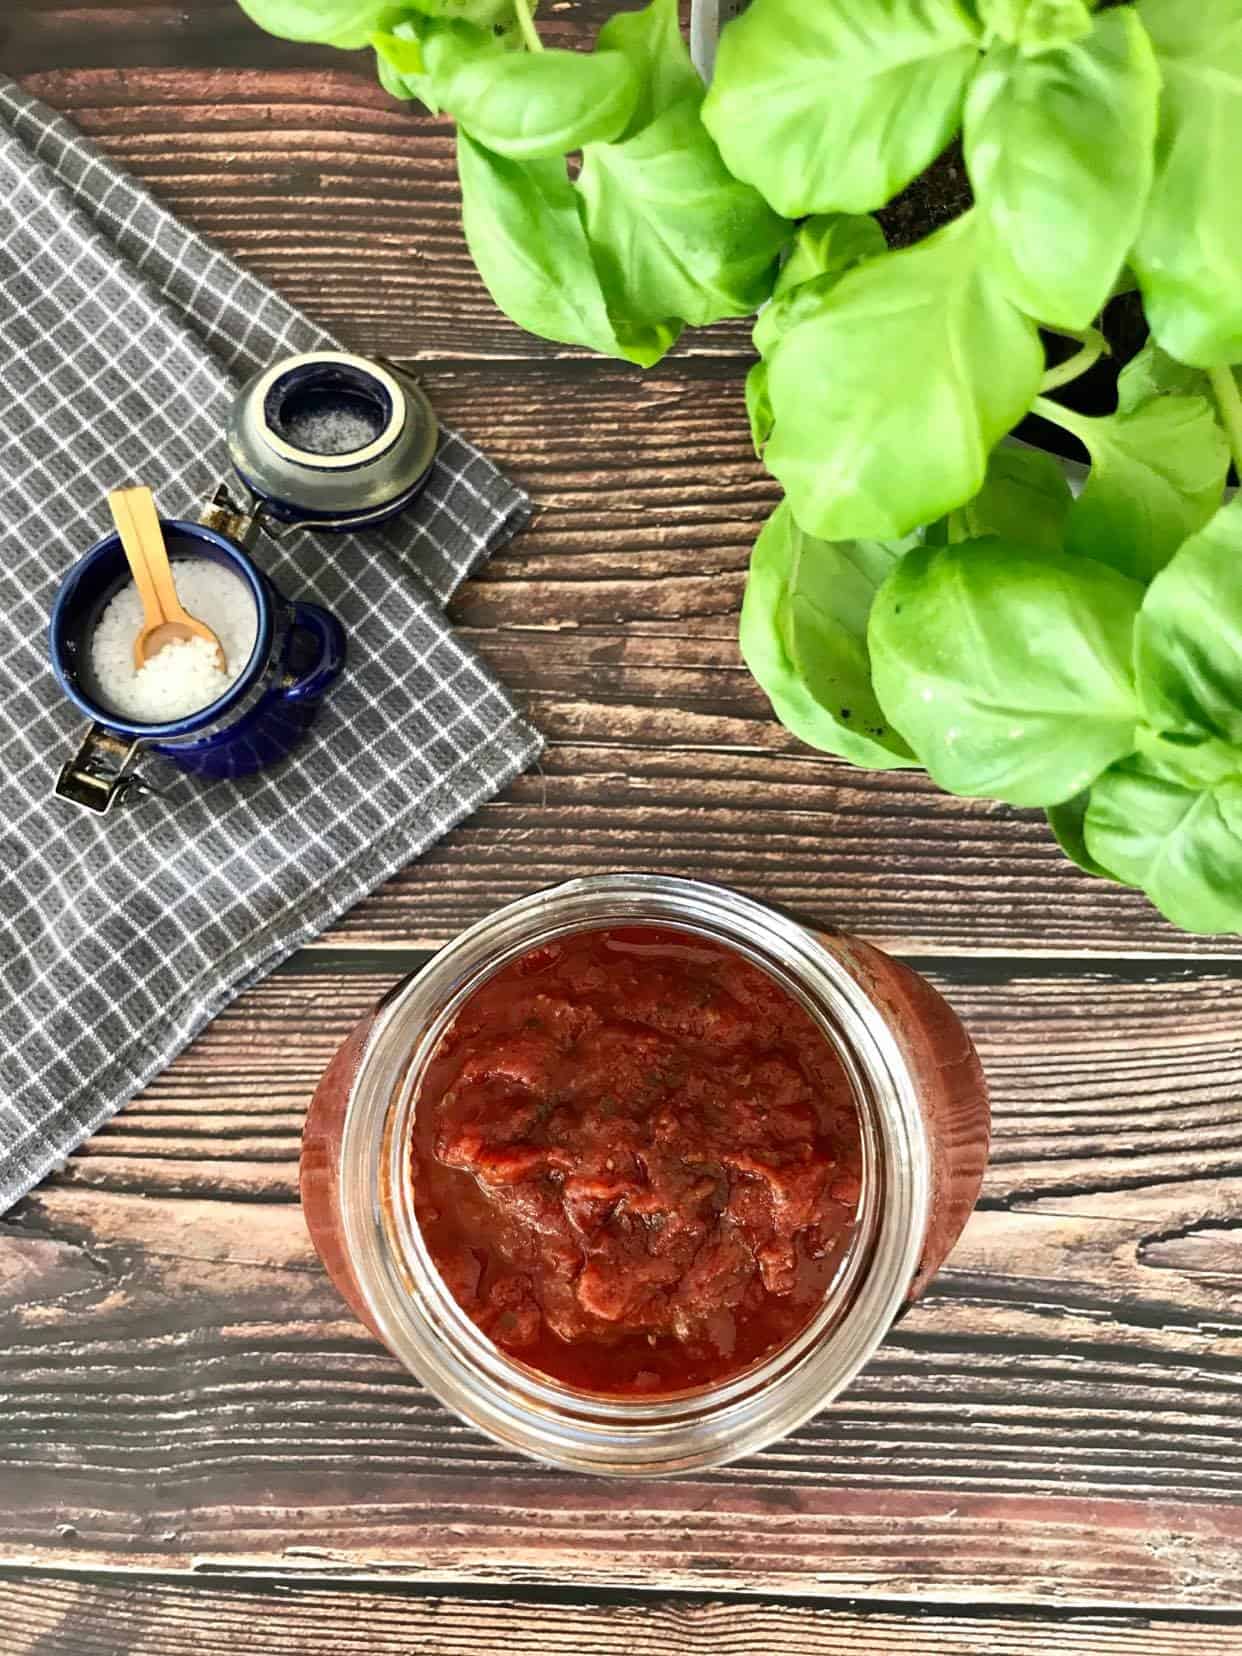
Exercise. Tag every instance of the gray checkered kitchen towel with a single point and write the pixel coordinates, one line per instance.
(122, 338)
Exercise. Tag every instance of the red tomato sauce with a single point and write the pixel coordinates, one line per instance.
(636, 1161)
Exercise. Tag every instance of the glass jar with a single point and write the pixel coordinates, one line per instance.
(923, 1108)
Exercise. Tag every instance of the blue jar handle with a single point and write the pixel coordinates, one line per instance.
(329, 635)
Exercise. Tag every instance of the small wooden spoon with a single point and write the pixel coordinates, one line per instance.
(165, 621)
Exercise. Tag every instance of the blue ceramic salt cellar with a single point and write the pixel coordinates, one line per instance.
(324, 441)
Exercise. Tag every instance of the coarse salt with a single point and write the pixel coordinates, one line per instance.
(183, 677)
(330, 430)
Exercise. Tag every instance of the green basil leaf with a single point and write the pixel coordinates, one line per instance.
(651, 40)
(401, 49)
(1154, 373)
(1025, 498)
(1157, 475)
(421, 53)
(497, 17)
(1182, 846)
(1188, 641)
(823, 250)
(1007, 670)
(344, 23)
(804, 637)
(837, 105)
(1126, 282)
(1068, 824)
(1059, 150)
(1036, 25)
(1189, 252)
(779, 315)
(758, 405)
(400, 64)
(829, 245)
(536, 105)
(1194, 762)
(889, 398)
(673, 233)
(645, 342)
(524, 232)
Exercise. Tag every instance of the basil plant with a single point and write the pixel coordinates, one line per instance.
(653, 234)
(1079, 654)
(925, 594)
(1101, 150)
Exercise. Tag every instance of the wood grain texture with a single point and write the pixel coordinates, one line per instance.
(1059, 1419)
(40, 1615)
(1102, 1081)
(180, 1389)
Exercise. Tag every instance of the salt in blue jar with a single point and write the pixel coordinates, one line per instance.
(298, 654)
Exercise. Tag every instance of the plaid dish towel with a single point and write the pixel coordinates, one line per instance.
(122, 338)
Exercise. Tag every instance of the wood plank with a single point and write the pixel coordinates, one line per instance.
(1059, 1420)
(880, 854)
(502, 1529)
(38, 36)
(1102, 1080)
(39, 1614)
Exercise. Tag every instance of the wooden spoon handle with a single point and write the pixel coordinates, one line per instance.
(147, 522)
(165, 618)
(121, 503)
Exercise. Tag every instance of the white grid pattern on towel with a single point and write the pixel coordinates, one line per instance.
(122, 336)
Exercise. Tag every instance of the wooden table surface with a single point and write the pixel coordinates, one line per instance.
(201, 1451)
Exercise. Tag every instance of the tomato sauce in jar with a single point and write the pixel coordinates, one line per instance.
(636, 1161)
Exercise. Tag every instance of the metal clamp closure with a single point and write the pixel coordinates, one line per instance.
(237, 523)
(99, 775)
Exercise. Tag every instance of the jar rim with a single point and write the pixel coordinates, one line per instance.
(411, 1307)
(288, 368)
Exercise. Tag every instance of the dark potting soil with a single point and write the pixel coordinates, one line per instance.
(938, 195)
